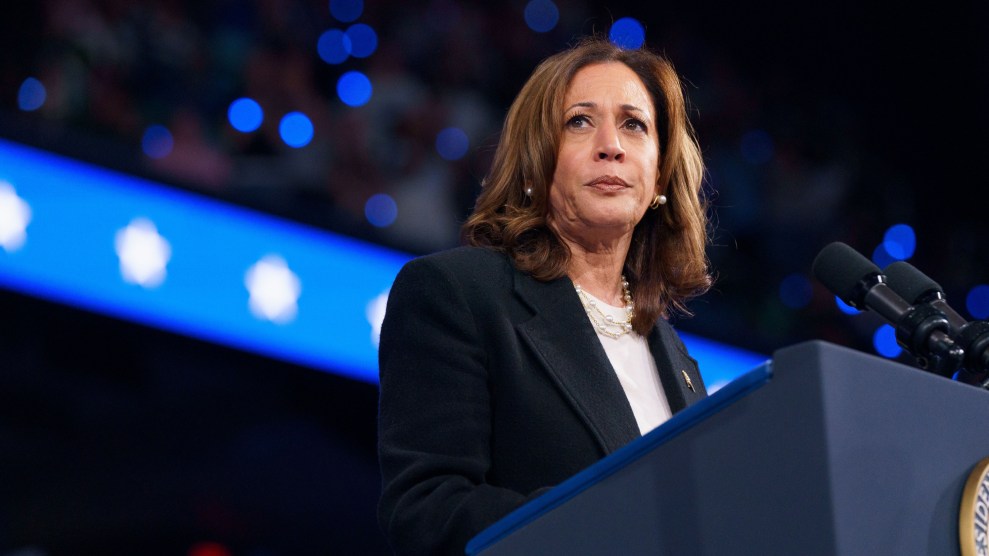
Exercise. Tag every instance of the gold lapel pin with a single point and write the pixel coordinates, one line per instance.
(686, 379)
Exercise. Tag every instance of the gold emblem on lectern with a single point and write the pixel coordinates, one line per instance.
(973, 516)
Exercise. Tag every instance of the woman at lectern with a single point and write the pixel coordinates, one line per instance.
(509, 365)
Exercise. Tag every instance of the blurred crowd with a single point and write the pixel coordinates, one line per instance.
(786, 120)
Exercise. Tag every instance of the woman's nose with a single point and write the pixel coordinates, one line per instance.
(608, 146)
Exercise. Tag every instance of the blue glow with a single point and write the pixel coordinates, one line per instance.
(296, 129)
(884, 341)
(977, 302)
(363, 40)
(213, 247)
(32, 94)
(381, 210)
(354, 88)
(881, 257)
(333, 46)
(346, 10)
(796, 290)
(719, 363)
(245, 115)
(757, 147)
(899, 241)
(452, 143)
(157, 141)
(628, 33)
(844, 307)
(541, 15)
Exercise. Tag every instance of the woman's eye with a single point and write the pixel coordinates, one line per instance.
(579, 120)
(635, 125)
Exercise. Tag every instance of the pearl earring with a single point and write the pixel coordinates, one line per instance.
(658, 200)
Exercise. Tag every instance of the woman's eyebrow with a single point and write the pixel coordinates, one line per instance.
(588, 104)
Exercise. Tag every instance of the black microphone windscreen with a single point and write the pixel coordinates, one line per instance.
(841, 269)
(910, 283)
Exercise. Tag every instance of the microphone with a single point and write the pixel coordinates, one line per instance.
(917, 288)
(922, 330)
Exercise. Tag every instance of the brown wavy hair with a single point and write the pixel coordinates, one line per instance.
(667, 263)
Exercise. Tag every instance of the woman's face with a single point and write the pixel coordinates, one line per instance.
(608, 161)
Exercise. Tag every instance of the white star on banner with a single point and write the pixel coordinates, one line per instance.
(274, 290)
(14, 217)
(375, 313)
(143, 253)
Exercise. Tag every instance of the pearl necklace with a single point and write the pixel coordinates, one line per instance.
(606, 324)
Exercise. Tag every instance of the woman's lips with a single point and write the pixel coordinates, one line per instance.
(608, 183)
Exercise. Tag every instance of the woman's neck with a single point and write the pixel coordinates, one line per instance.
(599, 272)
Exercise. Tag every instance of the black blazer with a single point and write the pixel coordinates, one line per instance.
(494, 387)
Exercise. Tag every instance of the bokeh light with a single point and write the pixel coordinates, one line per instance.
(32, 94)
(157, 141)
(541, 15)
(354, 88)
(381, 210)
(884, 341)
(977, 302)
(346, 10)
(844, 307)
(245, 115)
(363, 40)
(900, 241)
(757, 147)
(627, 32)
(452, 143)
(796, 290)
(296, 129)
(208, 548)
(881, 257)
(333, 46)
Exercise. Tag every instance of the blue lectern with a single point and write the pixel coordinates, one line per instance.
(822, 450)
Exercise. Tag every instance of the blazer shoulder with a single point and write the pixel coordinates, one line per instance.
(465, 262)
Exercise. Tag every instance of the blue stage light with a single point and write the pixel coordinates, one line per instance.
(627, 32)
(354, 88)
(363, 40)
(157, 141)
(899, 241)
(210, 291)
(796, 291)
(31, 95)
(844, 307)
(381, 210)
(452, 143)
(884, 341)
(296, 129)
(720, 363)
(881, 257)
(346, 10)
(541, 15)
(977, 302)
(245, 115)
(333, 46)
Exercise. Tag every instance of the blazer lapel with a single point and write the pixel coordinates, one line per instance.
(678, 372)
(570, 350)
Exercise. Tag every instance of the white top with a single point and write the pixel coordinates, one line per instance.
(636, 368)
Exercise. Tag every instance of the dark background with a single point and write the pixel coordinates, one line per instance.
(117, 439)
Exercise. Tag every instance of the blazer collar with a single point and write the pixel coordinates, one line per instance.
(566, 344)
